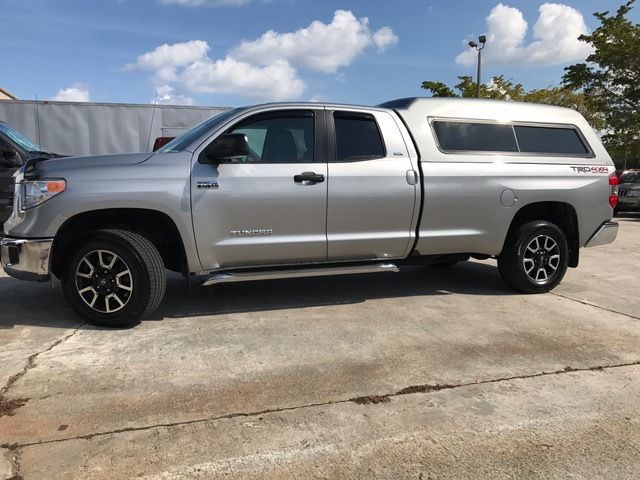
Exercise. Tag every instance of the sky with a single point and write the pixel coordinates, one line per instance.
(239, 52)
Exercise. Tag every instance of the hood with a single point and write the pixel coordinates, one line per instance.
(61, 164)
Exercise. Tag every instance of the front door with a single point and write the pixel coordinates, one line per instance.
(373, 188)
(269, 207)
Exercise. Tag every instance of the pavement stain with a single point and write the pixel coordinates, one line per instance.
(8, 406)
(364, 400)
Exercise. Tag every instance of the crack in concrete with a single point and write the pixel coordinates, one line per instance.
(8, 406)
(14, 461)
(373, 399)
(595, 305)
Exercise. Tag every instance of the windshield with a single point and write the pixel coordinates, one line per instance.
(19, 138)
(631, 177)
(183, 141)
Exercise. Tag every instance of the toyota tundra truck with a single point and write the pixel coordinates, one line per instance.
(305, 189)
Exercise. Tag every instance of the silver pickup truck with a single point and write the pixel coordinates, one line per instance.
(299, 189)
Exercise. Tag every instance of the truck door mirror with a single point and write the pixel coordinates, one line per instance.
(224, 148)
(9, 157)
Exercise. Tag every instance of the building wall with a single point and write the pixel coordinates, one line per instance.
(74, 128)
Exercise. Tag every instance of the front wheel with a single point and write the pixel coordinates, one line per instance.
(535, 257)
(115, 278)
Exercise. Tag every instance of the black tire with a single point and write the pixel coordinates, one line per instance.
(519, 264)
(115, 278)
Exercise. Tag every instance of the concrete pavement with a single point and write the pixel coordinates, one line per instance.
(429, 373)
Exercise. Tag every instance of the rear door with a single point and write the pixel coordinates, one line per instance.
(269, 207)
(373, 187)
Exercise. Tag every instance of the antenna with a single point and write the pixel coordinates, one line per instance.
(153, 114)
(38, 123)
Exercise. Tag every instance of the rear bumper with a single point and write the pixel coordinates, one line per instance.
(606, 233)
(26, 259)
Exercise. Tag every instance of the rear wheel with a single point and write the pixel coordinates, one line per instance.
(115, 278)
(535, 257)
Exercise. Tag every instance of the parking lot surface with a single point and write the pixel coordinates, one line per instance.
(429, 373)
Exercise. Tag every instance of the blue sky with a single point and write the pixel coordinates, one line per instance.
(79, 49)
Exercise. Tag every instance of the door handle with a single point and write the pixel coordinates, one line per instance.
(310, 177)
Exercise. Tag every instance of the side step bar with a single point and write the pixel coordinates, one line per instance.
(240, 276)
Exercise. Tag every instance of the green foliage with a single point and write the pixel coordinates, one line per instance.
(610, 80)
(499, 88)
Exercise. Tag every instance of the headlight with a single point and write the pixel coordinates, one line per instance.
(37, 192)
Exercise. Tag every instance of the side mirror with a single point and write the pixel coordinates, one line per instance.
(225, 147)
(9, 157)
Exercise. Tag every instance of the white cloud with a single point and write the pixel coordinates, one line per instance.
(166, 95)
(210, 3)
(171, 56)
(385, 38)
(278, 81)
(320, 46)
(555, 37)
(267, 67)
(75, 93)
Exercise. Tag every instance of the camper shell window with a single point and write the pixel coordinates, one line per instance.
(461, 136)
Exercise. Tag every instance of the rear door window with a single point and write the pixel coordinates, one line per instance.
(475, 137)
(551, 140)
(357, 137)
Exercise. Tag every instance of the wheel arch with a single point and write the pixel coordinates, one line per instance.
(154, 225)
(562, 214)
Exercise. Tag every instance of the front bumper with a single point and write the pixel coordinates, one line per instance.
(606, 233)
(26, 259)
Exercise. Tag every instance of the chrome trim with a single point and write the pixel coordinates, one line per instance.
(26, 259)
(606, 233)
(230, 277)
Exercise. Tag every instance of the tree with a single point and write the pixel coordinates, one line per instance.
(500, 88)
(610, 81)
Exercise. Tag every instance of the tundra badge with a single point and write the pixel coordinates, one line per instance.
(208, 184)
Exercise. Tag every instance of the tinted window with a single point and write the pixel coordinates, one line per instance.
(357, 137)
(186, 139)
(478, 137)
(559, 141)
(287, 137)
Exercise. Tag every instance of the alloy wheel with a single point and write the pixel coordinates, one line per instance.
(104, 281)
(541, 259)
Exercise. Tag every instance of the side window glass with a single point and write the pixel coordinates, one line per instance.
(553, 140)
(284, 137)
(357, 137)
(475, 137)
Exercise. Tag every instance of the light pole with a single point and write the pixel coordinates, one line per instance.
(479, 45)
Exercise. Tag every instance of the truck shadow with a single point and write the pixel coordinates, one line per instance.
(470, 278)
(23, 303)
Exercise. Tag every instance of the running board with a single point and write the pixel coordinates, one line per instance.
(240, 276)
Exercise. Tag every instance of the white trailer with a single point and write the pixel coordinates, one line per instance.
(89, 128)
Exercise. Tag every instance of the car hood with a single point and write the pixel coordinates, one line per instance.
(51, 165)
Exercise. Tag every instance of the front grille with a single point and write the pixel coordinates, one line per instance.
(623, 193)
